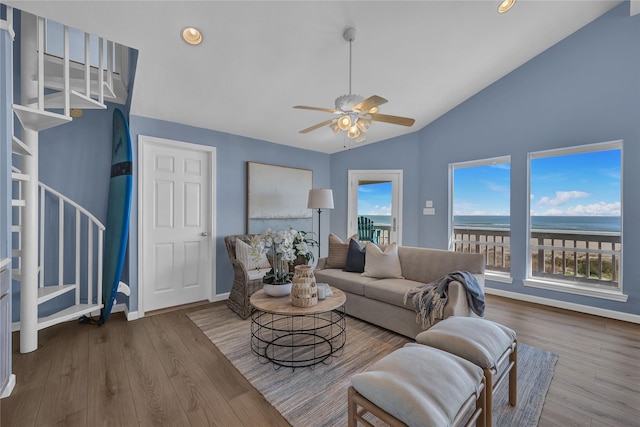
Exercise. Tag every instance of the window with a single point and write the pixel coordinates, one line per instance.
(575, 219)
(480, 211)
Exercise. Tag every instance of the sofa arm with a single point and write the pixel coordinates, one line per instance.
(321, 263)
(457, 304)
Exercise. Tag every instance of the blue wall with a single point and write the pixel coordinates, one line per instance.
(585, 89)
(232, 153)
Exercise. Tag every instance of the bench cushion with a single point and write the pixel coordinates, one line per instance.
(478, 340)
(419, 385)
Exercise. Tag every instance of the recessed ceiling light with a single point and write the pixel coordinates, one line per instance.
(506, 5)
(192, 35)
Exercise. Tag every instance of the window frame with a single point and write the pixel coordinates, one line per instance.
(575, 287)
(494, 275)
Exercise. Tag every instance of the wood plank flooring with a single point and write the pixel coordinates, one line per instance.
(162, 371)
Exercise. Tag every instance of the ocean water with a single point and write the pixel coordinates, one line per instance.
(580, 223)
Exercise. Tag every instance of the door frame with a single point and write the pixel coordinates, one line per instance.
(145, 143)
(352, 196)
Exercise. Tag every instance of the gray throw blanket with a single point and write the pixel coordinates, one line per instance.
(429, 299)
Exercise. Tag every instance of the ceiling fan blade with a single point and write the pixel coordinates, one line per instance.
(314, 127)
(369, 103)
(326, 110)
(395, 120)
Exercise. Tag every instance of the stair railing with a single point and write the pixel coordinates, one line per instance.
(94, 249)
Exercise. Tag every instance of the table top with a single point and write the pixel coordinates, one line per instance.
(282, 305)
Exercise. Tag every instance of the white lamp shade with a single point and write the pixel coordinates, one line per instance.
(320, 198)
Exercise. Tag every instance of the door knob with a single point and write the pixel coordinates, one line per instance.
(204, 234)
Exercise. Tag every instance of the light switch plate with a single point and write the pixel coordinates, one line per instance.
(428, 211)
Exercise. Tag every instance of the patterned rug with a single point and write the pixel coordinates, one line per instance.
(318, 397)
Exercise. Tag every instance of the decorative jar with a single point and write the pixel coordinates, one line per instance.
(304, 292)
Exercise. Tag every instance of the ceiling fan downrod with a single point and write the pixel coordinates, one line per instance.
(350, 35)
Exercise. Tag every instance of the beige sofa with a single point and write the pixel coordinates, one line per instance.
(380, 301)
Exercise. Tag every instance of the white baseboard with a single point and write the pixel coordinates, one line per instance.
(9, 388)
(611, 314)
(220, 297)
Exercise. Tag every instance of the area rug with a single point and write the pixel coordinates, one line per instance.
(318, 397)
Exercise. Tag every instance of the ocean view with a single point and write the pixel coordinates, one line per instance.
(580, 223)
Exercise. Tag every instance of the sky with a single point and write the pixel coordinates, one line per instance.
(583, 184)
(374, 199)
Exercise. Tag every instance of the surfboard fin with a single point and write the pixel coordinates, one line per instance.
(123, 288)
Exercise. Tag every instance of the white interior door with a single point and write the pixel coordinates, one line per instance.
(387, 213)
(176, 221)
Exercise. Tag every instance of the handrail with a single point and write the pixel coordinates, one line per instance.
(74, 204)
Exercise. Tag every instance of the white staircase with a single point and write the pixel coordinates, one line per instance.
(69, 283)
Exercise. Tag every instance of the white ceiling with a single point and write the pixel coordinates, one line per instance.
(260, 58)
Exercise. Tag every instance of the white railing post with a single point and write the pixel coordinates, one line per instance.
(77, 275)
(89, 262)
(100, 71)
(42, 236)
(60, 242)
(65, 73)
(87, 64)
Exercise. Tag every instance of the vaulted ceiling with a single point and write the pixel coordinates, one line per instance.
(260, 58)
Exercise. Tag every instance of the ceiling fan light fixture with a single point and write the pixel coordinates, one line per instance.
(373, 110)
(344, 122)
(363, 124)
(506, 5)
(334, 127)
(353, 132)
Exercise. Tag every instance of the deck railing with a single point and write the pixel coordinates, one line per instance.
(586, 257)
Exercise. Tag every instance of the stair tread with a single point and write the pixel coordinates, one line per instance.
(76, 100)
(19, 176)
(38, 120)
(71, 313)
(19, 147)
(47, 293)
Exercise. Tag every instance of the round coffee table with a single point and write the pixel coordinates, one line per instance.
(297, 337)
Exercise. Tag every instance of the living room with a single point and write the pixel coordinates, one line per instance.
(581, 91)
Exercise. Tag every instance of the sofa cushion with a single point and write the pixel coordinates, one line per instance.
(349, 282)
(420, 386)
(355, 257)
(244, 255)
(381, 264)
(337, 257)
(478, 340)
(390, 291)
(426, 265)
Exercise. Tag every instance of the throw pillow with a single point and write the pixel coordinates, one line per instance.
(355, 257)
(382, 265)
(243, 254)
(337, 257)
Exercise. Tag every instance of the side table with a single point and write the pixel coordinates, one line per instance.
(297, 337)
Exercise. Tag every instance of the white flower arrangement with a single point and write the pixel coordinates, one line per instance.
(285, 247)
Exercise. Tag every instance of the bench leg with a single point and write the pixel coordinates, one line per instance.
(513, 375)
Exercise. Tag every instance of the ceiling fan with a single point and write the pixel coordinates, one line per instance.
(355, 113)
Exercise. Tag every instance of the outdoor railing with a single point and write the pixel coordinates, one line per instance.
(586, 257)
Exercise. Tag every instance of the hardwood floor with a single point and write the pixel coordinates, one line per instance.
(162, 371)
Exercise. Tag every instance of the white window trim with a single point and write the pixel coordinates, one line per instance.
(565, 286)
(575, 288)
(496, 276)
